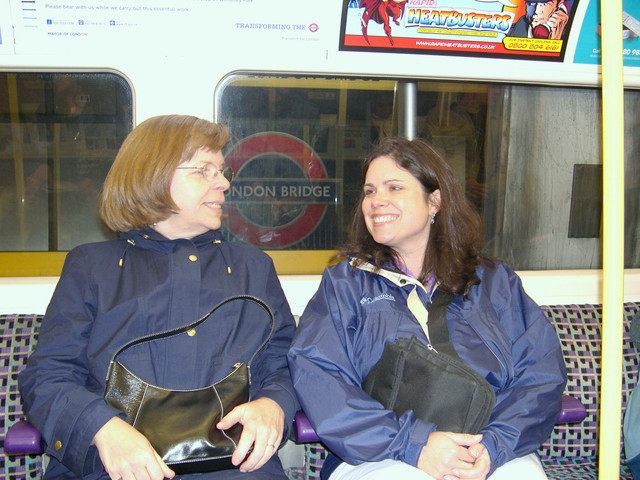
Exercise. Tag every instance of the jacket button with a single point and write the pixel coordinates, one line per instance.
(193, 258)
(57, 445)
(191, 332)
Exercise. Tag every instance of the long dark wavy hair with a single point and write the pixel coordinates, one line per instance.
(455, 244)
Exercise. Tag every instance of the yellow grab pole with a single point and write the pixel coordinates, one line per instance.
(613, 238)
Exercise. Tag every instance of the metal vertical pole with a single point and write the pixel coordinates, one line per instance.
(613, 237)
(408, 101)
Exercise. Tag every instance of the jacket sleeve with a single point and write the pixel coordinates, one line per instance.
(528, 405)
(62, 400)
(270, 373)
(327, 379)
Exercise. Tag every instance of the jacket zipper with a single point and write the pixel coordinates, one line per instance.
(488, 345)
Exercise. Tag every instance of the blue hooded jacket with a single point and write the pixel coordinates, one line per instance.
(496, 329)
(112, 292)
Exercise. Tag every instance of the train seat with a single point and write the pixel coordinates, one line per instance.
(570, 453)
(18, 337)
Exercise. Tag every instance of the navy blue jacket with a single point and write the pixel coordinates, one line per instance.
(497, 330)
(112, 292)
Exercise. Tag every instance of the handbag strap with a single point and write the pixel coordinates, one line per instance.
(185, 328)
(439, 326)
(434, 315)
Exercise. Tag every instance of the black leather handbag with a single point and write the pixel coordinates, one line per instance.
(436, 385)
(181, 424)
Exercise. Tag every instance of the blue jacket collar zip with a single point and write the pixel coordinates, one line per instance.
(150, 239)
(397, 278)
(414, 304)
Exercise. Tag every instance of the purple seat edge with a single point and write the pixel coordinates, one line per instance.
(303, 431)
(572, 411)
(22, 438)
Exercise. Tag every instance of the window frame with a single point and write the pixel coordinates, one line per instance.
(49, 263)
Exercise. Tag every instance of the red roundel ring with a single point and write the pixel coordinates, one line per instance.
(289, 147)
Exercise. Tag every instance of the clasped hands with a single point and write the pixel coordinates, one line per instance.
(453, 456)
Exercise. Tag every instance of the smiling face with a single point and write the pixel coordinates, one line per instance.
(396, 210)
(199, 201)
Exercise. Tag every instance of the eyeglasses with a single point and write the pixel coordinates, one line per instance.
(210, 172)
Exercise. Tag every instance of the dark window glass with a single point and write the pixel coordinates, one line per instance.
(59, 134)
(297, 144)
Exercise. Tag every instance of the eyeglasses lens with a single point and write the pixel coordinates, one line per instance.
(228, 173)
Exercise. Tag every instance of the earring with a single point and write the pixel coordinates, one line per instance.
(433, 218)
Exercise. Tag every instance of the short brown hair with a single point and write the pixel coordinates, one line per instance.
(136, 192)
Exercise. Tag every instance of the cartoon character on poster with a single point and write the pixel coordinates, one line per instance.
(542, 19)
(381, 11)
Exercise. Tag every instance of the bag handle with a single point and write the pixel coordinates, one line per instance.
(179, 330)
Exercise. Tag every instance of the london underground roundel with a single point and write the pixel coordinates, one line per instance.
(280, 192)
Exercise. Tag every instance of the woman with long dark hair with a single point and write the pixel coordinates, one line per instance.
(416, 250)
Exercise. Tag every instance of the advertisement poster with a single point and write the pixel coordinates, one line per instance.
(531, 29)
(589, 46)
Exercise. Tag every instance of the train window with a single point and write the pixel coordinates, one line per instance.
(294, 143)
(522, 154)
(59, 135)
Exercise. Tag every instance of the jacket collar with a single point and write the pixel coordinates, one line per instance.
(397, 278)
(414, 304)
(149, 239)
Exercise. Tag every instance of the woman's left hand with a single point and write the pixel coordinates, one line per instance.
(446, 452)
(481, 465)
(263, 426)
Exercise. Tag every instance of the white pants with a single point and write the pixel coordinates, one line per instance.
(522, 468)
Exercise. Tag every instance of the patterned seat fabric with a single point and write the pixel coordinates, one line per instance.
(572, 449)
(570, 453)
(18, 337)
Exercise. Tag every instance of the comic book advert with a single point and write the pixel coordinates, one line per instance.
(522, 29)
